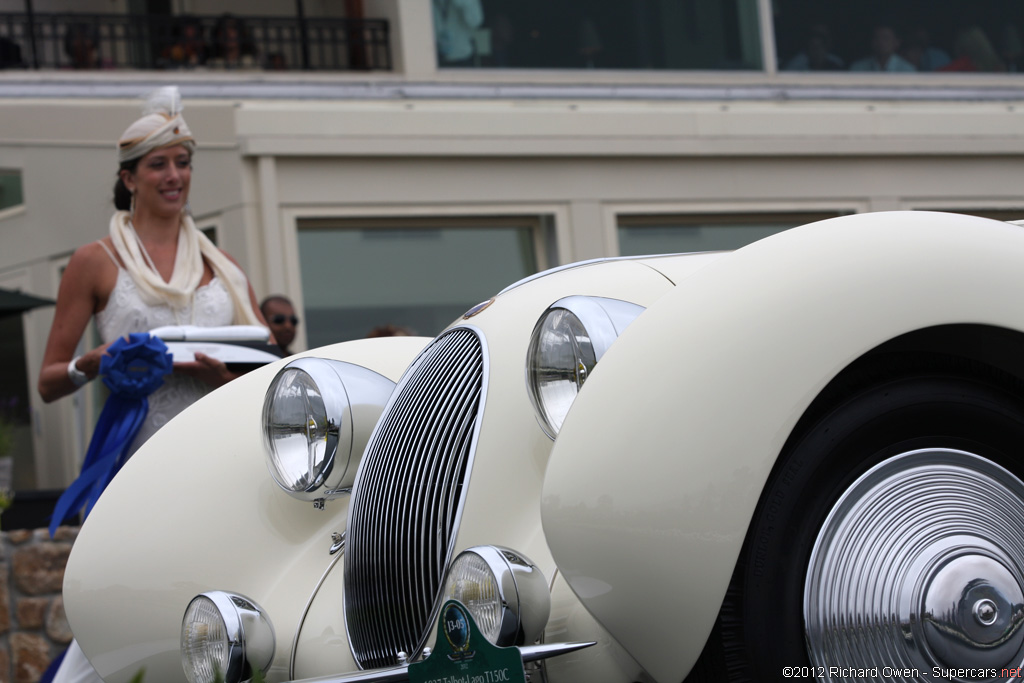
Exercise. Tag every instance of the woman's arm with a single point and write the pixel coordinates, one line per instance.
(76, 302)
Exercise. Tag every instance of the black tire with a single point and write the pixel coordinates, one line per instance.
(760, 629)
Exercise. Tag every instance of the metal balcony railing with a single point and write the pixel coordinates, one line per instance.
(111, 41)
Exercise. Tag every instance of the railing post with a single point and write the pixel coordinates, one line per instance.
(303, 34)
(32, 33)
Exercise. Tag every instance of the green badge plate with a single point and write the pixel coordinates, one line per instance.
(462, 655)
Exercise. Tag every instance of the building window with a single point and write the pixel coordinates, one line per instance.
(211, 233)
(668, 234)
(899, 35)
(416, 274)
(10, 189)
(1009, 215)
(597, 34)
(270, 35)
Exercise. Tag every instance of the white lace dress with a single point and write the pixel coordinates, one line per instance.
(126, 312)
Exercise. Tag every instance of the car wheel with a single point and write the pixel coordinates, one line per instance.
(888, 543)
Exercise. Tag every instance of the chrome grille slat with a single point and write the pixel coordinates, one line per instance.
(459, 401)
(404, 510)
(421, 392)
(425, 444)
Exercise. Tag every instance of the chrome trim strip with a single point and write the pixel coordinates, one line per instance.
(558, 269)
(309, 603)
(397, 674)
(590, 262)
(534, 653)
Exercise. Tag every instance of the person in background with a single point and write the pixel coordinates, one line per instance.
(883, 57)
(817, 53)
(10, 54)
(280, 315)
(154, 268)
(276, 61)
(81, 45)
(973, 51)
(188, 49)
(233, 47)
(455, 23)
(919, 51)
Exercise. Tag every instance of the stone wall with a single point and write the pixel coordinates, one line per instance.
(33, 629)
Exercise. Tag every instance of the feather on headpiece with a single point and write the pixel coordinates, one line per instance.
(161, 126)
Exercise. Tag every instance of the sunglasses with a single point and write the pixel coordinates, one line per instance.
(281, 319)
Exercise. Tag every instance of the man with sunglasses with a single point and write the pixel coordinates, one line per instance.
(280, 315)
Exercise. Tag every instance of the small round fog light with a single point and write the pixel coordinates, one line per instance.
(225, 636)
(503, 590)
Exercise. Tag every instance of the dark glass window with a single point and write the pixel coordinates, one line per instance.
(598, 34)
(900, 35)
(415, 274)
(10, 189)
(656, 234)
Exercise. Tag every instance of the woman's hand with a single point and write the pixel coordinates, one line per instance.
(89, 362)
(207, 370)
(84, 289)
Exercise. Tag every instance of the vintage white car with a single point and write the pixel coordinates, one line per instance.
(800, 459)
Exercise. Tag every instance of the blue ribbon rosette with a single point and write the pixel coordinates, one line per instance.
(133, 368)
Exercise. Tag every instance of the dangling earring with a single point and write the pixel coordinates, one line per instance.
(187, 209)
(131, 206)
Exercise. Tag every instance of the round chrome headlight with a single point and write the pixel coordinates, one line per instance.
(317, 418)
(567, 342)
(503, 590)
(225, 636)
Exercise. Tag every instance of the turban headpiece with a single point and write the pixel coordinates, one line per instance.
(161, 126)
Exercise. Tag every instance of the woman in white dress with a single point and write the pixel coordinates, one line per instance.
(154, 268)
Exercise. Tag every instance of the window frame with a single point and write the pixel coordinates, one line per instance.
(550, 242)
(721, 212)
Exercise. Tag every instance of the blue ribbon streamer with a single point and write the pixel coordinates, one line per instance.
(133, 368)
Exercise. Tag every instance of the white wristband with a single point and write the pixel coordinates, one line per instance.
(77, 377)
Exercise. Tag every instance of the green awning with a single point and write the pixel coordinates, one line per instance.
(13, 302)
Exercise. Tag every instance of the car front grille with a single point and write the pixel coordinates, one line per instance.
(405, 507)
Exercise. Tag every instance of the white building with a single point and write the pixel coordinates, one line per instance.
(406, 193)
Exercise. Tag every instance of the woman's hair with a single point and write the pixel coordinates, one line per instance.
(122, 195)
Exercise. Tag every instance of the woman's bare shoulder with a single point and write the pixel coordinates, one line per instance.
(91, 266)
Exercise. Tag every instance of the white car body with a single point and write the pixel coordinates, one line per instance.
(636, 512)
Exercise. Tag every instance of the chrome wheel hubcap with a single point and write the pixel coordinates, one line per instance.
(919, 566)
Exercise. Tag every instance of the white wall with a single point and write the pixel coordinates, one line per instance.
(265, 165)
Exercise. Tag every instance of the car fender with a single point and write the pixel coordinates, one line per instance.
(660, 463)
(179, 520)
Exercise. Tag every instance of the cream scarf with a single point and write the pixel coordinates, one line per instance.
(193, 247)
